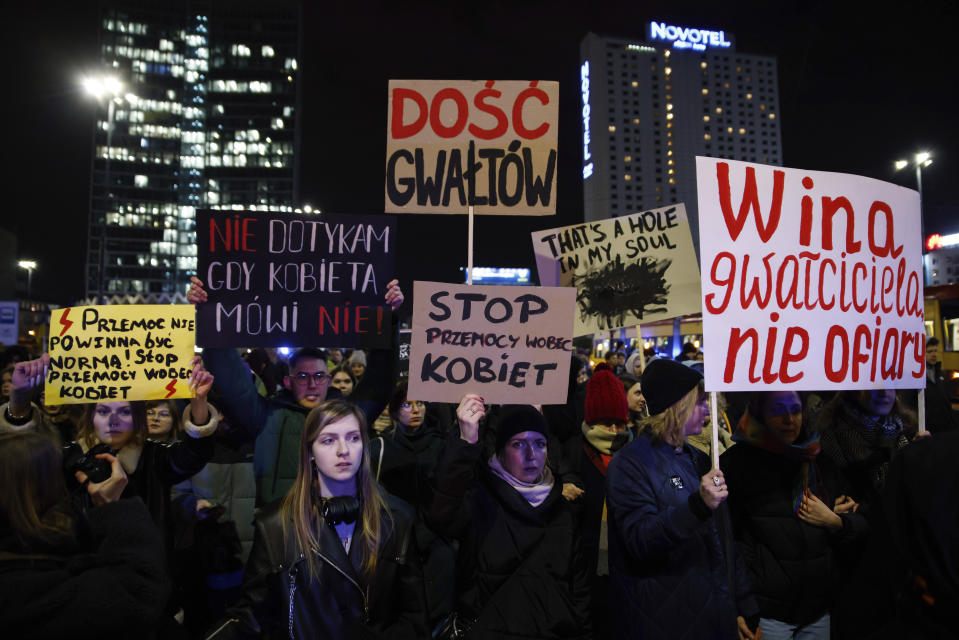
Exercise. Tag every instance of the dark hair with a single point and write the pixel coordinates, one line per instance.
(174, 410)
(31, 474)
(306, 352)
(932, 342)
(343, 368)
(398, 397)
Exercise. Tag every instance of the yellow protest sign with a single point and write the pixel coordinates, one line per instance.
(120, 352)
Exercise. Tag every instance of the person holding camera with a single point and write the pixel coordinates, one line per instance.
(121, 428)
(336, 557)
(70, 575)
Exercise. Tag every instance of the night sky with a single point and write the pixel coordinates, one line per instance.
(858, 89)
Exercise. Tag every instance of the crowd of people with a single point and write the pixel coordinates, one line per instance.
(314, 496)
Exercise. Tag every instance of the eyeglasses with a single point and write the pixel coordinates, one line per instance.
(318, 378)
(409, 405)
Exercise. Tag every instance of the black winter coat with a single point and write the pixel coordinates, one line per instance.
(671, 575)
(792, 563)
(112, 585)
(520, 569)
(158, 467)
(280, 600)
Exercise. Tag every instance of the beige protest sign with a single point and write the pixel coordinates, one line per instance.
(452, 144)
(507, 344)
(628, 270)
(120, 352)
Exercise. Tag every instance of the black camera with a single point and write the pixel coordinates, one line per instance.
(97, 470)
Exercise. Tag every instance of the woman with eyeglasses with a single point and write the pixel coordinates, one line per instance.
(163, 420)
(403, 459)
(334, 558)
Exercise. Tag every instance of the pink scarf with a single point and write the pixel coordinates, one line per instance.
(534, 493)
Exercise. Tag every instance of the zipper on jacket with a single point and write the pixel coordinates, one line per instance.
(292, 574)
(223, 626)
(365, 594)
(279, 451)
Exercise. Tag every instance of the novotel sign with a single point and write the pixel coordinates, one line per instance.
(584, 86)
(686, 38)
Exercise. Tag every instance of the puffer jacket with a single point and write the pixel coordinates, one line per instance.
(280, 600)
(670, 573)
(521, 571)
(793, 563)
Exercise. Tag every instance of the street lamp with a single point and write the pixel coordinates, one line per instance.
(29, 265)
(921, 160)
(108, 87)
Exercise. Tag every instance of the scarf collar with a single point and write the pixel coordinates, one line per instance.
(535, 493)
(753, 432)
(605, 441)
(877, 431)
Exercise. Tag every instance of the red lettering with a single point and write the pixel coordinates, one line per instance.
(830, 207)
(747, 296)
(805, 223)
(728, 282)
(768, 376)
(836, 375)
(822, 273)
(247, 234)
(462, 113)
(736, 340)
(502, 122)
(399, 130)
(518, 126)
(860, 357)
(789, 356)
(333, 321)
(750, 200)
(224, 234)
(889, 247)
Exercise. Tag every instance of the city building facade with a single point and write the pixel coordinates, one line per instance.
(204, 115)
(650, 107)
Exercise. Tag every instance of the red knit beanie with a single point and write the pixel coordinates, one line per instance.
(605, 397)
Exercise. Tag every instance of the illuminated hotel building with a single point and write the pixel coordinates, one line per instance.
(206, 118)
(649, 108)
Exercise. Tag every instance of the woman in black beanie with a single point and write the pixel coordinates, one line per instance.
(674, 572)
(520, 571)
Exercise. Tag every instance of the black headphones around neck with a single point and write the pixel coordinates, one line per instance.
(339, 510)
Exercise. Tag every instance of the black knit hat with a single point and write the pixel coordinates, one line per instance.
(665, 382)
(517, 418)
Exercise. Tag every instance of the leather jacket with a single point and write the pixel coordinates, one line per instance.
(281, 600)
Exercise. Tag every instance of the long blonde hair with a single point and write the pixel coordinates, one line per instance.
(301, 508)
(669, 425)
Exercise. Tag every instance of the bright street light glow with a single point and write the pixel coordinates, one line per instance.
(98, 86)
(307, 208)
(901, 164)
(27, 264)
(927, 163)
(922, 157)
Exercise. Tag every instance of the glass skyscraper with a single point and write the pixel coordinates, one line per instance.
(206, 118)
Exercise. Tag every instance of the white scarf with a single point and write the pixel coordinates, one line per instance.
(534, 493)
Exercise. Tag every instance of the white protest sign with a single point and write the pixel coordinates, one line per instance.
(507, 344)
(811, 280)
(628, 270)
(453, 144)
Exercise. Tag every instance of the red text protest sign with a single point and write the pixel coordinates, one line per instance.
(811, 280)
(452, 144)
